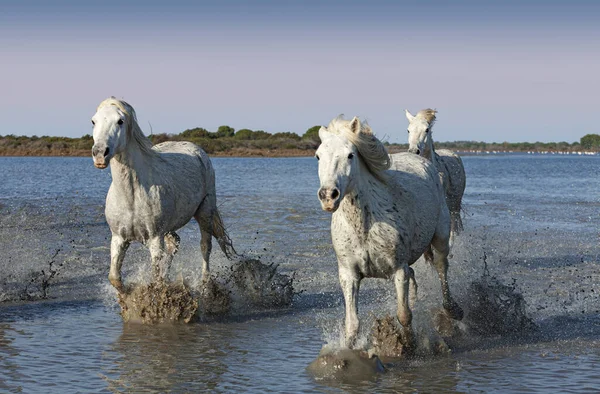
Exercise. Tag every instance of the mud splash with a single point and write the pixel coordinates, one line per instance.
(249, 285)
(346, 365)
(215, 298)
(158, 302)
(260, 285)
(390, 343)
(497, 309)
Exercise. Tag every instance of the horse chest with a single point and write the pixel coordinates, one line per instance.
(135, 216)
(367, 243)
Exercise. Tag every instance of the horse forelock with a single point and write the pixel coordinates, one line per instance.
(428, 115)
(371, 150)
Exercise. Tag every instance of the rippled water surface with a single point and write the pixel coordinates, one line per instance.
(535, 218)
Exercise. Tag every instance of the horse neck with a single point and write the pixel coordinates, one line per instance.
(131, 166)
(429, 152)
(359, 205)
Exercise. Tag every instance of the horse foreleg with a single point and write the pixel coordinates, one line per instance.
(350, 284)
(440, 262)
(118, 247)
(161, 260)
(402, 279)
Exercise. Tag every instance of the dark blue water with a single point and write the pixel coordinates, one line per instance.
(536, 218)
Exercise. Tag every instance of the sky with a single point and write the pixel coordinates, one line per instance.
(510, 71)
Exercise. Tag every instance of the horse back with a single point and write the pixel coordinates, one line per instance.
(422, 196)
(454, 175)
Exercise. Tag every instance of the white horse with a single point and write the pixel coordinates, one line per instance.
(382, 220)
(448, 163)
(155, 190)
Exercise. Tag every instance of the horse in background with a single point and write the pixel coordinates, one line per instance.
(155, 191)
(382, 221)
(448, 163)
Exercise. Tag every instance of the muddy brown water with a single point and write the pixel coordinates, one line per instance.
(534, 219)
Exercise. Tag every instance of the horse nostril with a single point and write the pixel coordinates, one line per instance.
(322, 194)
(106, 152)
(418, 152)
(334, 194)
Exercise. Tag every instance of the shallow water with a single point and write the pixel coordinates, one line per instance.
(536, 218)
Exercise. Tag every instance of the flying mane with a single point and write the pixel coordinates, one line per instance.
(371, 150)
(133, 128)
(428, 115)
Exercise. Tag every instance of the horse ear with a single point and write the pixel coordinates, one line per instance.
(323, 133)
(355, 125)
(409, 116)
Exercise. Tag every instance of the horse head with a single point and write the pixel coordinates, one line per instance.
(420, 140)
(338, 162)
(110, 123)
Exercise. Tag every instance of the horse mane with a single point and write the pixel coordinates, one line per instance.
(428, 115)
(371, 150)
(133, 128)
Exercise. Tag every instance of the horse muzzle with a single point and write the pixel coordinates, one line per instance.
(330, 198)
(101, 165)
(101, 157)
(415, 150)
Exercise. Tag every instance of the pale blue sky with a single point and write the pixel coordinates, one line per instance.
(496, 71)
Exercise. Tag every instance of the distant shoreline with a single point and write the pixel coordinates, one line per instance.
(274, 153)
(248, 143)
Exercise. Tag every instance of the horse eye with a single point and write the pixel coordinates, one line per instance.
(408, 131)
(93, 123)
(427, 130)
(350, 156)
(317, 156)
(120, 122)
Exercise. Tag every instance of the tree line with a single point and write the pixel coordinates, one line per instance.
(227, 141)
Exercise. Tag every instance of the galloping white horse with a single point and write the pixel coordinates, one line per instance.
(155, 190)
(448, 163)
(382, 220)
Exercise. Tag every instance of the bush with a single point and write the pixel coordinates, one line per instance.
(590, 141)
(312, 134)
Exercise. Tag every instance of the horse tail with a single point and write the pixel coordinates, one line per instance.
(221, 235)
(456, 224)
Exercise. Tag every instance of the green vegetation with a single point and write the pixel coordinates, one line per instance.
(590, 141)
(246, 142)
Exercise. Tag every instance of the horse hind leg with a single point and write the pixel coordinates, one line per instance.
(412, 288)
(456, 226)
(204, 218)
(172, 242)
(440, 263)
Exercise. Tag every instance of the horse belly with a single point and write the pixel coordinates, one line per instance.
(127, 227)
(378, 268)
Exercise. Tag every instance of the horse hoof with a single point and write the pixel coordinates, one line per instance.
(117, 284)
(454, 310)
(350, 341)
(119, 287)
(172, 242)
